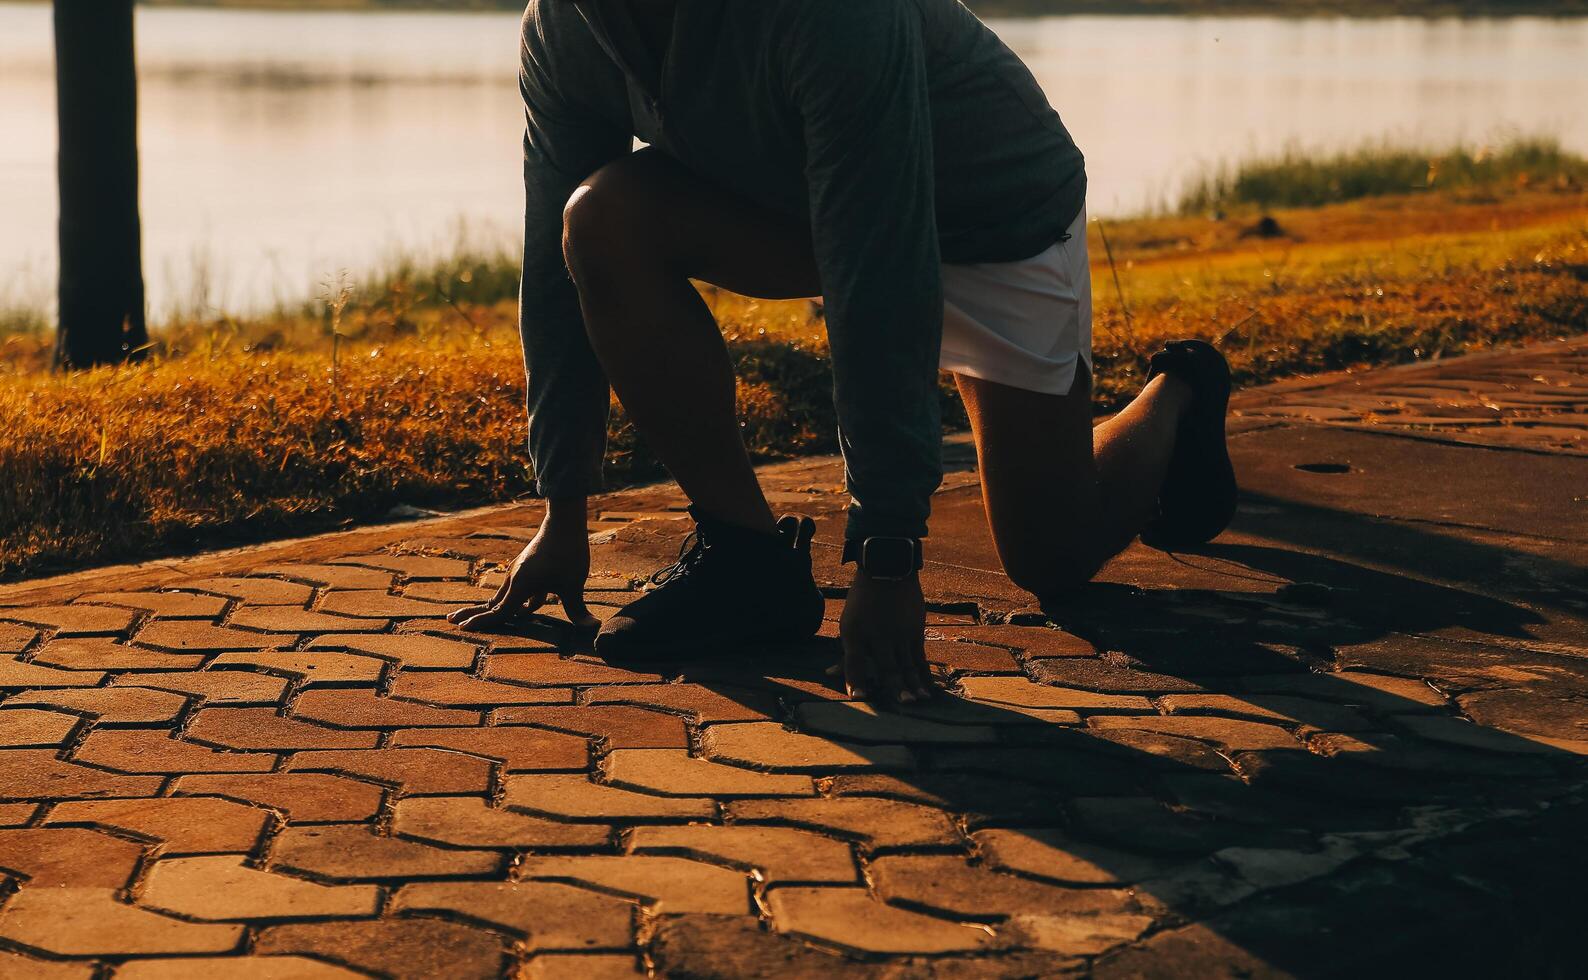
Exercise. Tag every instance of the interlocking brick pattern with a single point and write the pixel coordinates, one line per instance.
(301, 769)
(1537, 399)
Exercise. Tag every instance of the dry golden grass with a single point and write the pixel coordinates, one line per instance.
(238, 431)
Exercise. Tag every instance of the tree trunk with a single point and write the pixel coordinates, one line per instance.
(101, 283)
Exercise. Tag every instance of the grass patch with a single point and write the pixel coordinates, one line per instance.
(1298, 179)
(408, 389)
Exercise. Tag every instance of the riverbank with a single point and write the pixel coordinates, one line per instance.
(407, 391)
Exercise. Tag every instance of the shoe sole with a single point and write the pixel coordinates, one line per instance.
(1210, 470)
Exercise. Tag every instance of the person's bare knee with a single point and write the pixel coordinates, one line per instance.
(599, 224)
(1060, 569)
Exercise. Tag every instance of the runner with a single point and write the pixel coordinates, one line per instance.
(897, 159)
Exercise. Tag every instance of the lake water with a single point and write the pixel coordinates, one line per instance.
(280, 148)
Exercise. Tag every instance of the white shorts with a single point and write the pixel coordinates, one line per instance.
(1024, 324)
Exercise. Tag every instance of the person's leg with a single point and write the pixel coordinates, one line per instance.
(635, 233)
(1062, 497)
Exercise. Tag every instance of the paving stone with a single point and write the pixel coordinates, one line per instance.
(17, 814)
(859, 721)
(363, 709)
(457, 689)
(405, 948)
(166, 605)
(961, 655)
(1463, 733)
(214, 687)
(412, 771)
(1034, 641)
(1047, 853)
(701, 704)
(411, 566)
(185, 824)
(350, 852)
(256, 591)
(449, 592)
(109, 705)
(1224, 796)
(1343, 778)
(15, 638)
(36, 774)
(780, 854)
(413, 652)
(16, 675)
(263, 729)
(223, 887)
(873, 822)
(583, 966)
(183, 635)
(22, 728)
(1307, 712)
(668, 885)
(91, 922)
(1193, 890)
(29, 968)
(575, 797)
(983, 797)
(1141, 824)
(334, 576)
(381, 604)
(1390, 695)
(84, 620)
(470, 821)
(100, 653)
(674, 772)
(311, 668)
(770, 746)
(951, 709)
(1077, 935)
(1231, 733)
(1021, 692)
(1168, 752)
(851, 919)
(549, 915)
(138, 751)
(519, 747)
(290, 619)
(619, 727)
(1277, 867)
(1397, 753)
(1100, 675)
(305, 797)
(949, 885)
(549, 639)
(552, 670)
(234, 968)
(1526, 713)
(68, 857)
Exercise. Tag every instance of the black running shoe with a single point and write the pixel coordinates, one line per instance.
(729, 586)
(1197, 501)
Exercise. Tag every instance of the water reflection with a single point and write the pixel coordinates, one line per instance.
(280, 148)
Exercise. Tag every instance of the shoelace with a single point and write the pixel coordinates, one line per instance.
(689, 555)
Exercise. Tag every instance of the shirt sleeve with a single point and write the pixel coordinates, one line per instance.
(856, 76)
(571, 130)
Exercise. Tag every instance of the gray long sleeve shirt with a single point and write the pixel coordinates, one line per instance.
(903, 131)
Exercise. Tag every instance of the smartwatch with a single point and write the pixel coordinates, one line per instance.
(883, 558)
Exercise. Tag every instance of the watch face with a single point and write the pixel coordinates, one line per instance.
(888, 557)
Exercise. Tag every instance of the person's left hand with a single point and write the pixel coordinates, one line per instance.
(883, 632)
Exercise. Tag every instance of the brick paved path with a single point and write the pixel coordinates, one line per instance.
(1347, 737)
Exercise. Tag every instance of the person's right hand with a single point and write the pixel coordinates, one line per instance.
(556, 563)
